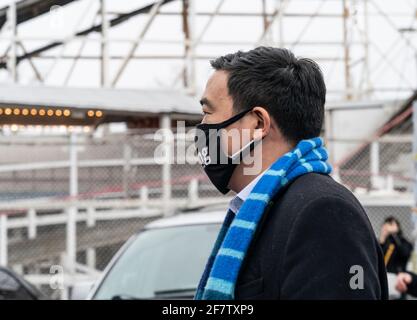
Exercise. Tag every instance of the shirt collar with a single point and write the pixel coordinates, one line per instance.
(240, 198)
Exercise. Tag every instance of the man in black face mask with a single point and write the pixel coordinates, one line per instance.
(289, 233)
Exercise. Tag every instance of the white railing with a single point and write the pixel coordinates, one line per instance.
(88, 211)
(24, 215)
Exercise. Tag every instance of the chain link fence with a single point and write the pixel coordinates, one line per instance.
(115, 175)
(121, 186)
(380, 173)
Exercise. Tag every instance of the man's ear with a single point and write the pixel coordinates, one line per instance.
(263, 125)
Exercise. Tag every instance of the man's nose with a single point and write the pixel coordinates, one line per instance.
(204, 120)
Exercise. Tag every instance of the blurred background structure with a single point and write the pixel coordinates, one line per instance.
(87, 85)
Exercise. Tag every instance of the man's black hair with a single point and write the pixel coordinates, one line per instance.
(291, 89)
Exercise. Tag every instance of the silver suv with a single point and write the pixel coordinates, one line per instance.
(163, 261)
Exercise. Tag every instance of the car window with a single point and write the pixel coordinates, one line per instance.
(160, 261)
(11, 289)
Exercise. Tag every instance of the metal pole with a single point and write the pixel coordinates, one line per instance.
(166, 167)
(187, 45)
(188, 18)
(65, 295)
(73, 165)
(366, 62)
(104, 45)
(374, 163)
(191, 55)
(32, 224)
(282, 6)
(414, 211)
(91, 220)
(329, 135)
(265, 20)
(3, 240)
(71, 241)
(91, 258)
(152, 14)
(12, 60)
(348, 84)
(144, 196)
(127, 156)
(193, 191)
(195, 41)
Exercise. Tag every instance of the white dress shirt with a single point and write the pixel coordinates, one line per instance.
(238, 200)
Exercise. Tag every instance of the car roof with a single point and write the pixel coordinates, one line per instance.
(189, 218)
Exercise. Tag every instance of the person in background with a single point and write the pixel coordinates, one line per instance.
(407, 283)
(397, 250)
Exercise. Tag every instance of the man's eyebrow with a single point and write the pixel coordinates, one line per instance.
(205, 101)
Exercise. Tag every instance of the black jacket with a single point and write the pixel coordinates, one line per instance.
(398, 257)
(311, 237)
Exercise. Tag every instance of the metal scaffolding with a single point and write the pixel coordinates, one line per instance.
(119, 183)
(357, 59)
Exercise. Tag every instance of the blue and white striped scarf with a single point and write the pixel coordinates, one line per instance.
(220, 275)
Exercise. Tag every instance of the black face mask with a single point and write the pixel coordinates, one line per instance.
(219, 166)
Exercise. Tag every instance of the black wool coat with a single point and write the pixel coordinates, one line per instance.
(315, 241)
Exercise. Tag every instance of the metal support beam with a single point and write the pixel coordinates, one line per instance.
(71, 239)
(278, 14)
(346, 49)
(32, 64)
(96, 28)
(166, 166)
(264, 17)
(329, 134)
(80, 49)
(374, 164)
(188, 11)
(306, 26)
(281, 7)
(32, 229)
(127, 167)
(104, 44)
(12, 26)
(366, 70)
(3, 239)
(414, 211)
(152, 14)
(91, 258)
